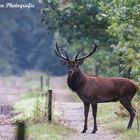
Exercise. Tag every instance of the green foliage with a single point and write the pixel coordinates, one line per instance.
(25, 43)
(109, 23)
(81, 23)
(76, 20)
(123, 17)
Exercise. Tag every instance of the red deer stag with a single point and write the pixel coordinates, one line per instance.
(93, 89)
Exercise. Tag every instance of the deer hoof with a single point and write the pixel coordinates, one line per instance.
(94, 131)
(84, 131)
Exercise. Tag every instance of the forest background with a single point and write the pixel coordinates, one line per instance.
(28, 37)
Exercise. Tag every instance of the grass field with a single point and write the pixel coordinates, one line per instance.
(37, 126)
(31, 108)
(55, 131)
(47, 131)
(106, 114)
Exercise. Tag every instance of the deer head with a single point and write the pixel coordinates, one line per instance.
(72, 65)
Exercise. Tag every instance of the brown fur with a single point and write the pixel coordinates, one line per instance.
(93, 89)
(101, 89)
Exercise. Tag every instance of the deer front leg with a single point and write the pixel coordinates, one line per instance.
(86, 110)
(94, 112)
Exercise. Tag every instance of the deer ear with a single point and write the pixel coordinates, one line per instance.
(63, 62)
(80, 62)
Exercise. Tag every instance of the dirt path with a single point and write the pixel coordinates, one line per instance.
(9, 94)
(72, 113)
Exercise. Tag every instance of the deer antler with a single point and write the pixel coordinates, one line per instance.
(94, 49)
(59, 53)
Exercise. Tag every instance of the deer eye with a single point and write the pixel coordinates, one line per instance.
(75, 65)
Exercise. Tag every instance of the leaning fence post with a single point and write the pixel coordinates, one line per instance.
(21, 131)
(49, 105)
(41, 82)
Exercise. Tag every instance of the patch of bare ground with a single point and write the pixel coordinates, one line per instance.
(6, 128)
(72, 115)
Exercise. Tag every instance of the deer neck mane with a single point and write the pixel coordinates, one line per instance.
(76, 80)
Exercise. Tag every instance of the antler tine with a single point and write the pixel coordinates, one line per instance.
(94, 49)
(78, 54)
(58, 49)
(66, 55)
(59, 53)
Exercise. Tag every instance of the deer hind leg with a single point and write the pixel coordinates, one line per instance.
(86, 111)
(127, 104)
(94, 112)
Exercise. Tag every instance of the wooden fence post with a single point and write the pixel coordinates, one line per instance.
(21, 131)
(41, 82)
(49, 105)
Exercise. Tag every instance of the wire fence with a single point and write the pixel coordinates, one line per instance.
(47, 111)
(47, 114)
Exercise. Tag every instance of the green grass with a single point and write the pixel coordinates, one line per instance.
(30, 94)
(55, 131)
(106, 114)
(24, 108)
(47, 131)
(31, 107)
(38, 127)
(27, 107)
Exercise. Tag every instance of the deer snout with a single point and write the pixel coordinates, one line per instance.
(70, 72)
